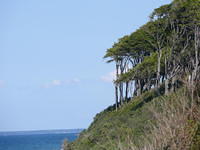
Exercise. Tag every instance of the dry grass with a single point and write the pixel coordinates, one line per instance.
(176, 124)
(175, 127)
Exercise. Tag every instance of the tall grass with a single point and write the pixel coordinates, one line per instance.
(176, 124)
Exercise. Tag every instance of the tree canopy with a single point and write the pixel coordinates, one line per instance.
(164, 51)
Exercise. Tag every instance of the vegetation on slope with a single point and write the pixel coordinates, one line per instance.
(148, 122)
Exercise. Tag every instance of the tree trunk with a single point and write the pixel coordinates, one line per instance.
(173, 84)
(139, 88)
(121, 93)
(166, 86)
(149, 84)
(126, 92)
(158, 68)
(121, 85)
(166, 78)
(116, 86)
(197, 46)
(196, 62)
(116, 96)
(173, 78)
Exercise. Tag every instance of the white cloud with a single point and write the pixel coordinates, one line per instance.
(75, 80)
(109, 77)
(56, 83)
(2, 83)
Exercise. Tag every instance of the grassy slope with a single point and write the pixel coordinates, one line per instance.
(111, 129)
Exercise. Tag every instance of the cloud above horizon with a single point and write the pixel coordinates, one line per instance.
(109, 77)
(2, 83)
(57, 83)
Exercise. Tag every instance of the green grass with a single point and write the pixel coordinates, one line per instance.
(110, 126)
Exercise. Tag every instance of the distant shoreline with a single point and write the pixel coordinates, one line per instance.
(37, 132)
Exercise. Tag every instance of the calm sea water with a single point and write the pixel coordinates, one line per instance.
(35, 141)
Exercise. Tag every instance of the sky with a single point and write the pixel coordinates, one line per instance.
(52, 71)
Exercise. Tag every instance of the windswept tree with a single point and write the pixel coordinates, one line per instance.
(119, 54)
(114, 57)
(157, 30)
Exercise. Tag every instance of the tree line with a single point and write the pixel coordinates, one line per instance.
(165, 52)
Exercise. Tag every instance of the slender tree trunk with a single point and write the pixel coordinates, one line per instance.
(158, 68)
(116, 86)
(121, 84)
(139, 89)
(163, 79)
(167, 86)
(166, 78)
(149, 84)
(196, 62)
(121, 88)
(132, 89)
(173, 84)
(173, 79)
(197, 46)
(126, 91)
(127, 84)
(116, 96)
(121, 93)
(136, 88)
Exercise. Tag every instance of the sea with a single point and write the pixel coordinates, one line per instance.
(36, 140)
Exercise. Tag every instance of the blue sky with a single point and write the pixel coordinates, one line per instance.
(52, 72)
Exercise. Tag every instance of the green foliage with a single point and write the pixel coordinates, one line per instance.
(144, 70)
(170, 30)
(109, 127)
(161, 12)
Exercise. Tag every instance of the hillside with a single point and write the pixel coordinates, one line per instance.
(143, 122)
